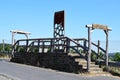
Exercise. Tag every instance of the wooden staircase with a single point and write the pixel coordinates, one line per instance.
(94, 69)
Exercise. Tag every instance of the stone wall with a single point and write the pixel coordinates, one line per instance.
(56, 61)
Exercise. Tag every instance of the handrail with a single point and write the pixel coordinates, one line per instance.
(78, 44)
(91, 43)
(77, 51)
(86, 48)
(67, 45)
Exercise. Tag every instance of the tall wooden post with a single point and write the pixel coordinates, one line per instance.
(89, 47)
(106, 62)
(12, 38)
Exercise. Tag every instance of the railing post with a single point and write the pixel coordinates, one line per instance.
(67, 45)
(98, 49)
(26, 45)
(38, 45)
(42, 46)
(52, 46)
(32, 46)
(18, 43)
(77, 46)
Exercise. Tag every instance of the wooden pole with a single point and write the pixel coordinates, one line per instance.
(38, 46)
(27, 45)
(51, 48)
(89, 51)
(98, 49)
(106, 49)
(13, 38)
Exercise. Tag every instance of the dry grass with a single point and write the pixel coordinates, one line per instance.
(113, 70)
(4, 56)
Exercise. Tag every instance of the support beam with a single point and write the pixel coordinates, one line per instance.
(18, 32)
(89, 47)
(89, 51)
(12, 38)
(106, 56)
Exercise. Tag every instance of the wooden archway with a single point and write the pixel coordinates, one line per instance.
(106, 29)
(18, 32)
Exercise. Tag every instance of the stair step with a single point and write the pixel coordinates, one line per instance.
(85, 63)
(92, 66)
(97, 74)
(80, 60)
(74, 54)
(96, 69)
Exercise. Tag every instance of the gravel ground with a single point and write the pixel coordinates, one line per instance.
(25, 72)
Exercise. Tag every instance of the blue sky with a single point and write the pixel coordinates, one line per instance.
(36, 16)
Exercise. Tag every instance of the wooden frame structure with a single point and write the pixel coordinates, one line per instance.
(60, 43)
(106, 30)
(18, 32)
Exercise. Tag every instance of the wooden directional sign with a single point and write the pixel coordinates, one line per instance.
(99, 26)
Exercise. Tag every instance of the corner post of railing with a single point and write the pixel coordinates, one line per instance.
(98, 49)
(67, 45)
(42, 46)
(32, 46)
(38, 45)
(26, 45)
(52, 46)
(18, 44)
(77, 46)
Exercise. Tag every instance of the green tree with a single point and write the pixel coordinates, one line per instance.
(7, 47)
(117, 56)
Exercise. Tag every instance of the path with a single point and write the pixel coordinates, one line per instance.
(24, 72)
